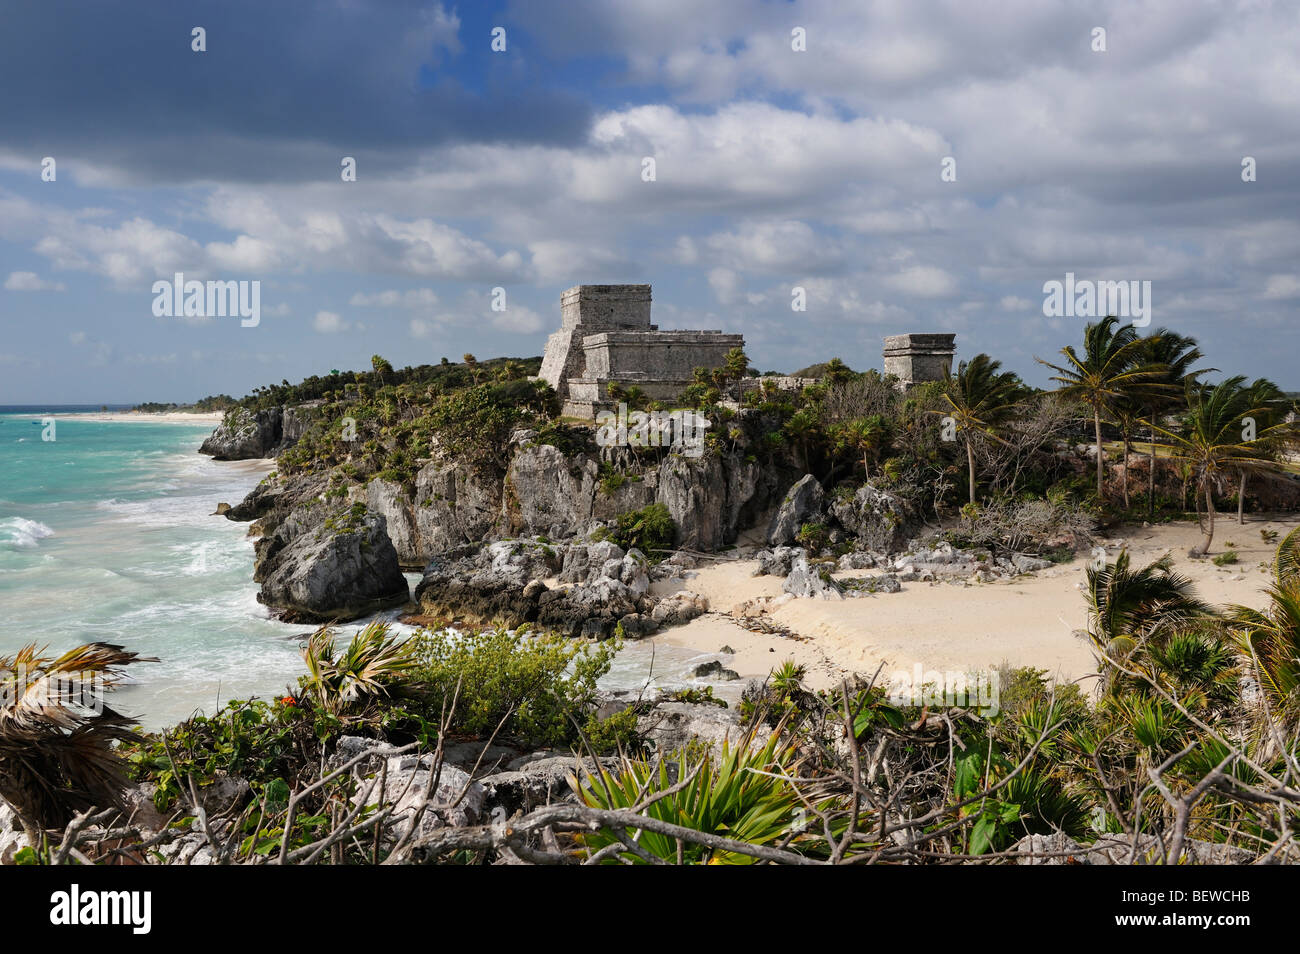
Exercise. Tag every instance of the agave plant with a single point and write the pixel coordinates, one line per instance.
(56, 734)
(366, 669)
(741, 795)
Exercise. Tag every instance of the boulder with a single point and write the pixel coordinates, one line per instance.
(671, 725)
(679, 608)
(777, 562)
(342, 569)
(404, 785)
(807, 581)
(715, 668)
(804, 503)
(244, 435)
(880, 521)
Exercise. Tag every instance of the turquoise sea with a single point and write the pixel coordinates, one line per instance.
(107, 533)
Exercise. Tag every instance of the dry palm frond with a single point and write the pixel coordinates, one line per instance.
(56, 732)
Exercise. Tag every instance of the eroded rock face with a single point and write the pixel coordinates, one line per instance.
(807, 581)
(244, 435)
(880, 521)
(334, 572)
(803, 503)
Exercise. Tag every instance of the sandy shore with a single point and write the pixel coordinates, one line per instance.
(1028, 621)
(162, 417)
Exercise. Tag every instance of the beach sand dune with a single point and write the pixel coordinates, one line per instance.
(1028, 621)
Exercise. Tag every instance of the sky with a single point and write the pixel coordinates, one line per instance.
(914, 166)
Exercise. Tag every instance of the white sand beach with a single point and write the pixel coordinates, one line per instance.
(1027, 621)
(137, 417)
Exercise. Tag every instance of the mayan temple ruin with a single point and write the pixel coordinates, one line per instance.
(916, 358)
(606, 337)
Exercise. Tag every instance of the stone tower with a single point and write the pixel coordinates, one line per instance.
(606, 337)
(589, 310)
(914, 359)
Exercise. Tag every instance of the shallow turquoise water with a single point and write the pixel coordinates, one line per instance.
(107, 533)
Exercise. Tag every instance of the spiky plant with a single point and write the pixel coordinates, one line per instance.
(741, 794)
(57, 757)
(1271, 637)
(1129, 608)
(365, 670)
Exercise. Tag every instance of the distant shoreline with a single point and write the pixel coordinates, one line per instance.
(162, 417)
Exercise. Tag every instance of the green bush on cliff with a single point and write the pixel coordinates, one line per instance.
(650, 528)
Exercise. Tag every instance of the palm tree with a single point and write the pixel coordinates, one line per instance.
(866, 435)
(56, 735)
(1224, 432)
(1271, 638)
(1130, 609)
(1175, 354)
(1267, 395)
(980, 400)
(1111, 369)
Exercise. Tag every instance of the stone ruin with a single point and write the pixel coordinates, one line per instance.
(917, 358)
(606, 336)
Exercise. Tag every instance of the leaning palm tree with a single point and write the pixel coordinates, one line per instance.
(1224, 432)
(981, 399)
(56, 734)
(1110, 369)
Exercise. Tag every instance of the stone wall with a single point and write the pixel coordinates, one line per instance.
(585, 310)
(916, 358)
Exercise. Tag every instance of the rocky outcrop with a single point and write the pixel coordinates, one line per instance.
(803, 503)
(336, 569)
(598, 588)
(245, 434)
(878, 520)
(811, 582)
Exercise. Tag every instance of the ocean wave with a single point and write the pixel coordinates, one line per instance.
(19, 533)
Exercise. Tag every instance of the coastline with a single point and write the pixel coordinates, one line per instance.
(135, 417)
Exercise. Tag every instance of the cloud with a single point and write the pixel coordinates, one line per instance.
(30, 281)
(1282, 286)
(923, 281)
(411, 298)
(329, 323)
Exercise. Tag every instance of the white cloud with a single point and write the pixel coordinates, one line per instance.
(1014, 303)
(30, 281)
(1282, 286)
(329, 323)
(923, 281)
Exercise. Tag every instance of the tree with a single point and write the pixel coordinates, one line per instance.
(471, 363)
(1268, 396)
(1174, 354)
(56, 738)
(1224, 433)
(1110, 369)
(1130, 611)
(1271, 638)
(381, 367)
(981, 399)
(866, 436)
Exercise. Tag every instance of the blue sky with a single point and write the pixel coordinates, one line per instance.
(521, 169)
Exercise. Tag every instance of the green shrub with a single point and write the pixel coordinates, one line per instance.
(650, 528)
(538, 684)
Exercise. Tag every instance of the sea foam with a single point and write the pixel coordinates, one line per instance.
(19, 533)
